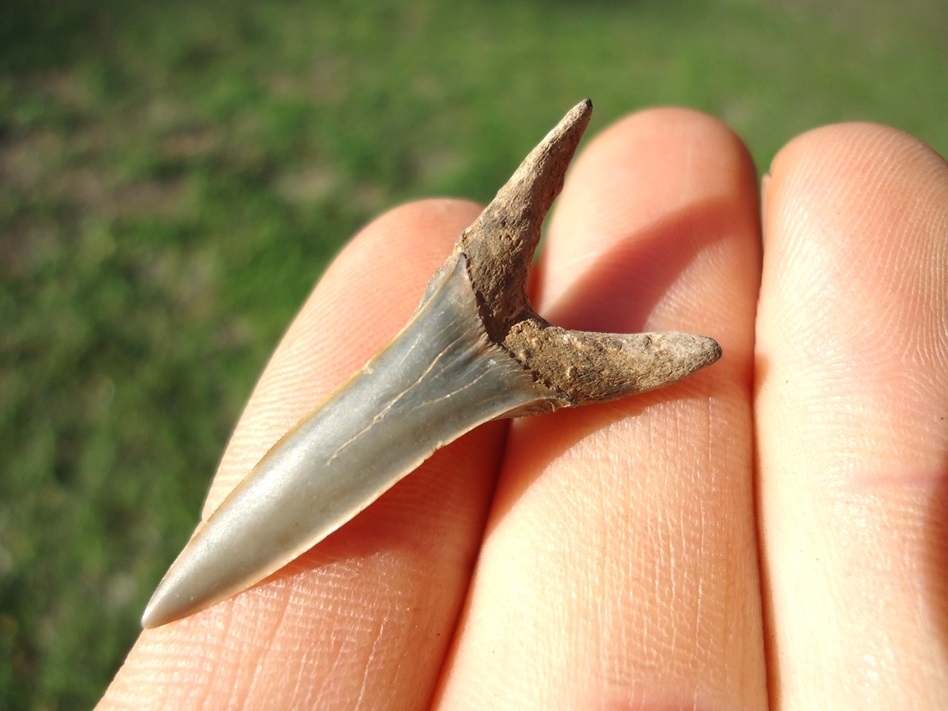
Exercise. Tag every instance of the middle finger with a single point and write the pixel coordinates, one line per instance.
(619, 565)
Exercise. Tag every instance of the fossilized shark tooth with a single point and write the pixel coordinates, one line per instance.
(473, 351)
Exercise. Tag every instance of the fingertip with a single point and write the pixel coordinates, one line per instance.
(361, 301)
(657, 229)
(850, 209)
(833, 145)
(395, 253)
(852, 171)
(667, 152)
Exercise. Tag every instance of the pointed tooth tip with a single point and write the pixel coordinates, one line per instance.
(157, 611)
(150, 618)
(162, 611)
(579, 114)
(172, 600)
(149, 622)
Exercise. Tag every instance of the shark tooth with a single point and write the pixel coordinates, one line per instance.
(473, 351)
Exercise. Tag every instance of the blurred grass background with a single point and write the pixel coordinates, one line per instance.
(174, 177)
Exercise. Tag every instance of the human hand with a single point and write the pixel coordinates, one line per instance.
(769, 531)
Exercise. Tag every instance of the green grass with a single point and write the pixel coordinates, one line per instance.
(174, 177)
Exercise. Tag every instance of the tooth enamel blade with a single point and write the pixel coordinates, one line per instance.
(438, 379)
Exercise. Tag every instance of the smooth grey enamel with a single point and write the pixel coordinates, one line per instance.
(438, 379)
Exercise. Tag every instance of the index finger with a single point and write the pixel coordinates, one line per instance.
(338, 623)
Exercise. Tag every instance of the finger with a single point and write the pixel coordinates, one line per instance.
(852, 419)
(337, 625)
(619, 567)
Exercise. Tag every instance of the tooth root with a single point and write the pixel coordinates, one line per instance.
(598, 367)
(501, 242)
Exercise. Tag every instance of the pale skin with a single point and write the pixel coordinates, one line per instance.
(768, 533)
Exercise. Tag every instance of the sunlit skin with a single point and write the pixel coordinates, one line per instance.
(768, 533)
